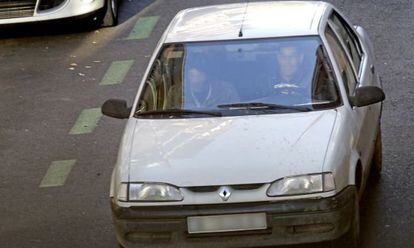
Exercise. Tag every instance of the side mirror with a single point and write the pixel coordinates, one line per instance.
(116, 108)
(367, 95)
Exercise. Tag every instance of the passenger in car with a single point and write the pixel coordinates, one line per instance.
(199, 91)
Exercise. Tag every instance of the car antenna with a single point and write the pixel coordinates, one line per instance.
(244, 16)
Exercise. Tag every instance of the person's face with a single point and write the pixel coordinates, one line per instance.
(196, 79)
(289, 59)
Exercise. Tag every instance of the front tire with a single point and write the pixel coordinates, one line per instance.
(110, 18)
(376, 163)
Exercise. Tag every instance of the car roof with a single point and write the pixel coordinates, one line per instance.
(257, 19)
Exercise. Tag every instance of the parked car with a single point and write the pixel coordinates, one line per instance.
(255, 124)
(22, 11)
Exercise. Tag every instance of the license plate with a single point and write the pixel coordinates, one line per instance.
(226, 223)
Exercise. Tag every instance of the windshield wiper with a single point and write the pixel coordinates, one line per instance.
(177, 112)
(261, 105)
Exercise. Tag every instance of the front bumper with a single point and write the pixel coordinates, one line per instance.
(289, 222)
(69, 8)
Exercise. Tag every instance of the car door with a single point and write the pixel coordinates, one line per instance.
(361, 61)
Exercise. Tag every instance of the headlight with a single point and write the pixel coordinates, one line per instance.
(305, 184)
(151, 192)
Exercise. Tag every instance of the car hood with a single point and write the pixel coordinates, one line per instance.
(229, 150)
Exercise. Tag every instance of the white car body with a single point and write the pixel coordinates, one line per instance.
(259, 149)
(67, 9)
(165, 151)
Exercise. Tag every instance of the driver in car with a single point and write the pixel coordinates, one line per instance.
(289, 76)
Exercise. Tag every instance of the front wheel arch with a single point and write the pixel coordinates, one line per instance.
(358, 176)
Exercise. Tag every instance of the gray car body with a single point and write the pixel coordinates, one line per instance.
(340, 141)
(67, 9)
(227, 152)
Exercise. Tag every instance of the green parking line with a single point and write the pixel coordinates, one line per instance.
(57, 173)
(87, 121)
(143, 28)
(117, 72)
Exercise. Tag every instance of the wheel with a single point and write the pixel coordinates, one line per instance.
(110, 18)
(107, 17)
(351, 238)
(376, 163)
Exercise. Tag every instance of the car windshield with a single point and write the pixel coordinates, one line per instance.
(260, 76)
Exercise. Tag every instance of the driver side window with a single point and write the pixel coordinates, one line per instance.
(344, 65)
(323, 85)
(349, 39)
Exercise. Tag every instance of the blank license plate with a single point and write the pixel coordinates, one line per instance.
(226, 223)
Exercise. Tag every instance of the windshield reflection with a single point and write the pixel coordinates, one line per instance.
(204, 75)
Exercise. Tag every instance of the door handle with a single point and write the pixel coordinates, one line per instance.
(372, 68)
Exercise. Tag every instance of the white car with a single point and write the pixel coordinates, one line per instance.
(255, 124)
(23, 11)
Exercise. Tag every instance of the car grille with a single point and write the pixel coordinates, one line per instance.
(49, 4)
(205, 189)
(16, 8)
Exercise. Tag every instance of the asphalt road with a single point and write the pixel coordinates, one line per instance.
(49, 74)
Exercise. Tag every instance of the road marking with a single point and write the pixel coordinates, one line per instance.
(143, 28)
(87, 121)
(117, 72)
(57, 173)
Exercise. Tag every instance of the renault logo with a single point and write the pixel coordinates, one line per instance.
(224, 193)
